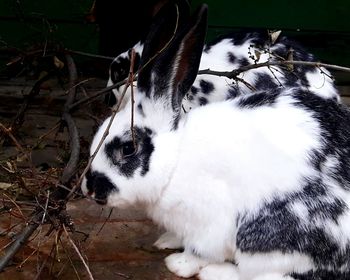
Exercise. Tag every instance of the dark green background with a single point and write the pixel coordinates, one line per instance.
(322, 26)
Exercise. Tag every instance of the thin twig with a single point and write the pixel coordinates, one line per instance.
(78, 252)
(69, 260)
(131, 78)
(9, 134)
(104, 91)
(17, 206)
(104, 223)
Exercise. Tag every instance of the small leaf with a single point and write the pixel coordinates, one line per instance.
(274, 35)
(5, 186)
(57, 62)
(257, 55)
(290, 57)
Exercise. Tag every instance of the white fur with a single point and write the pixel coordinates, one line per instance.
(221, 271)
(184, 264)
(252, 265)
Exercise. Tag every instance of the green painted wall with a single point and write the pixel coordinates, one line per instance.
(323, 26)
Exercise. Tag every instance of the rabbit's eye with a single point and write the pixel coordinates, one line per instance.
(128, 149)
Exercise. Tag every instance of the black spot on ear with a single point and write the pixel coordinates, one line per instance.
(206, 86)
(202, 101)
(119, 69)
(231, 57)
(110, 99)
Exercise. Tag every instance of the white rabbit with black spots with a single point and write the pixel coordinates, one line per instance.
(255, 187)
(233, 51)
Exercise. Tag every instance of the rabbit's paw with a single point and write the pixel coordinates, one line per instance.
(168, 240)
(184, 264)
(222, 271)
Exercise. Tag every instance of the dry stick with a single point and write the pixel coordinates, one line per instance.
(16, 205)
(131, 78)
(20, 241)
(69, 260)
(70, 168)
(106, 90)
(104, 223)
(78, 252)
(14, 140)
(19, 119)
(236, 72)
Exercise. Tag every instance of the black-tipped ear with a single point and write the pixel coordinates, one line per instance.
(168, 21)
(175, 68)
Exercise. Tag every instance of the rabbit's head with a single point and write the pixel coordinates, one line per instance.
(119, 68)
(136, 158)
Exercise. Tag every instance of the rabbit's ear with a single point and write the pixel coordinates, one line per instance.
(171, 18)
(176, 64)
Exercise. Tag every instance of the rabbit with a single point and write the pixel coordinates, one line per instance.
(254, 187)
(232, 51)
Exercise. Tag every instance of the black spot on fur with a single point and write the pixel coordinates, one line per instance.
(231, 57)
(202, 101)
(334, 120)
(190, 97)
(264, 82)
(194, 90)
(206, 86)
(127, 166)
(232, 93)
(321, 275)
(99, 184)
(259, 99)
(140, 109)
(276, 227)
(243, 62)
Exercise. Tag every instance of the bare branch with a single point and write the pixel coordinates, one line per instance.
(236, 72)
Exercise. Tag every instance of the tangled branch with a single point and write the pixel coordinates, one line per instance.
(234, 73)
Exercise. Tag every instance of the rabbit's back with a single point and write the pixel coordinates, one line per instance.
(240, 49)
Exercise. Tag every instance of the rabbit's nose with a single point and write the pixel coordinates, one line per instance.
(99, 186)
(88, 184)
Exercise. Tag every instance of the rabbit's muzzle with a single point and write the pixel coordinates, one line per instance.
(99, 187)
